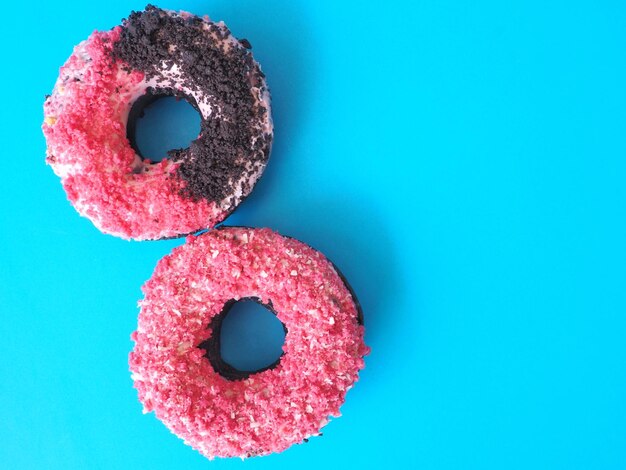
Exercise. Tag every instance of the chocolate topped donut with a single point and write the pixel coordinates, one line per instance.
(103, 87)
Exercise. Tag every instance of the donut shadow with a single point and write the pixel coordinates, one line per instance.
(281, 39)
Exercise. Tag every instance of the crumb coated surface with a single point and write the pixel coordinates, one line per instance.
(232, 141)
(86, 120)
(268, 411)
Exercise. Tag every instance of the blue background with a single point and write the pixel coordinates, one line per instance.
(464, 164)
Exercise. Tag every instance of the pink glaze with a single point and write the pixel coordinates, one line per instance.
(273, 409)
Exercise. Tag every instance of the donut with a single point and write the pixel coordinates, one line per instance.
(221, 411)
(89, 122)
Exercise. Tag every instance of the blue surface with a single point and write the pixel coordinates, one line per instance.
(167, 123)
(251, 337)
(463, 163)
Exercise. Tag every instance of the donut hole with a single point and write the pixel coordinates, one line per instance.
(247, 338)
(160, 123)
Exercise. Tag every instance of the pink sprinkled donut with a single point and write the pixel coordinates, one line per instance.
(101, 89)
(216, 409)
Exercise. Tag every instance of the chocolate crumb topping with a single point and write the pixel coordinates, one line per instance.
(232, 145)
(245, 43)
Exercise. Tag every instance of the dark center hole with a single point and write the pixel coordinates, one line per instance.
(158, 123)
(247, 338)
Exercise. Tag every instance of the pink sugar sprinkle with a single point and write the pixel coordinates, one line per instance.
(271, 410)
(85, 129)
